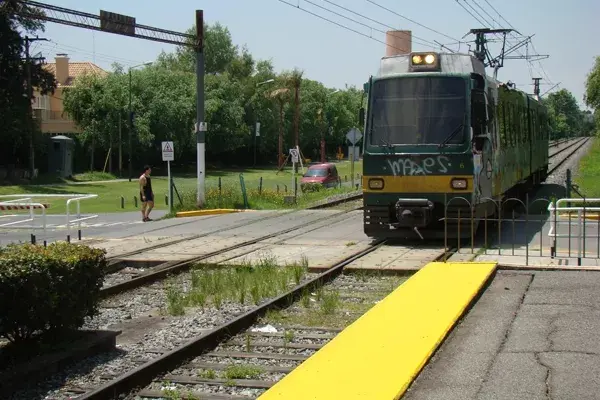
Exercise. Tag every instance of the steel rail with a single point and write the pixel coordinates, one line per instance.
(146, 373)
(170, 267)
(560, 163)
(566, 148)
(117, 258)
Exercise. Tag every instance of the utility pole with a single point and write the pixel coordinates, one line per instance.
(28, 61)
(536, 86)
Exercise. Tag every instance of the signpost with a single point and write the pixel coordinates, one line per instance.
(255, 140)
(168, 155)
(294, 154)
(353, 137)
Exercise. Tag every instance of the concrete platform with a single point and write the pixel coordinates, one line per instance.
(531, 335)
(379, 354)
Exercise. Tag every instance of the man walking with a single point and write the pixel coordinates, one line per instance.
(146, 193)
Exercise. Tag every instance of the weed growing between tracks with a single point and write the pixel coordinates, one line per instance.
(209, 284)
(338, 304)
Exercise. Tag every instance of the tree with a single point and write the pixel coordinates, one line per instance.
(564, 114)
(15, 99)
(219, 52)
(237, 95)
(592, 86)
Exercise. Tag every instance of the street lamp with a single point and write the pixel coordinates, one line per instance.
(256, 129)
(323, 132)
(131, 120)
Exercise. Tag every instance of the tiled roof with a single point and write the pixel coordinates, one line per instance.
(76, 69)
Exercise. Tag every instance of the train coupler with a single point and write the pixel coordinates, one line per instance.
(414, 213)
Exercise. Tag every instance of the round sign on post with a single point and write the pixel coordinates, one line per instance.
(295, 156)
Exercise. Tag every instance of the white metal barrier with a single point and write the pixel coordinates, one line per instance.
(25, 202)
(582, 213)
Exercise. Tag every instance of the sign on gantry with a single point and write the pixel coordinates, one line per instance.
(168, 152)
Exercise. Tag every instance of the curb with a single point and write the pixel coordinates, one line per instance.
(200, 213)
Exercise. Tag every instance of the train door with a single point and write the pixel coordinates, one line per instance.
(484, 151)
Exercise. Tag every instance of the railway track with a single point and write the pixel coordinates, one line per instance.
(115, 263)
(305, 317)
(576, 142)
(121, 284)
(223, 351)
(577, 145)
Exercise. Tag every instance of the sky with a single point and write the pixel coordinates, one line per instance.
(284, 32)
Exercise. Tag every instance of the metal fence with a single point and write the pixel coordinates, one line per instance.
(566, 228)
(35, 222)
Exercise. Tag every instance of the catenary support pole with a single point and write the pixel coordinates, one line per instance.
(200, 131)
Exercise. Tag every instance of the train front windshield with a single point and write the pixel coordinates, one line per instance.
(418, 111)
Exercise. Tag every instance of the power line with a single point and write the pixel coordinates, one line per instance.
(414, 22)
(338, 24)
(372, 20)
(358, 22)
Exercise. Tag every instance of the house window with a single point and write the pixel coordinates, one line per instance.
(41, 102)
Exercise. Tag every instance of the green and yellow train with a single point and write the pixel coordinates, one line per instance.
(442, 135)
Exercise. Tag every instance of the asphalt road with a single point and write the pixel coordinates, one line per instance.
(105, 224)
(530, 336)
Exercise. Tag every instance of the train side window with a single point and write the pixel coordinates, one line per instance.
(502, 120)
(524, 128)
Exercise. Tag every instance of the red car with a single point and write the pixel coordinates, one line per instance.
(322, 174)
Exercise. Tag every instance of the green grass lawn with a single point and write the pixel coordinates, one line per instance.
(109, 193)
(588, 176)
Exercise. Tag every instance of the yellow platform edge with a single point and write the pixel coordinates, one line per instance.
(593, 215)
(200, 213)
(379, 355)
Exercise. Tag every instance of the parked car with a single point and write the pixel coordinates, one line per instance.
(318, 176)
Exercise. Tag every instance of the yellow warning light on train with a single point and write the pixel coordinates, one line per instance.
(417, 59)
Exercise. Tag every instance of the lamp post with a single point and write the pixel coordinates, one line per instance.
(256, 129)
(131, 120)
(323, 132)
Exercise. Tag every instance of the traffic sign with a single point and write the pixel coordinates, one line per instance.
(203, 127)
(168, 152)
(295, 155)
(258, 129)
(353, 136)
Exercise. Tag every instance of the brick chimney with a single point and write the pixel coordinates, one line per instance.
(62, 68)
(398, 42)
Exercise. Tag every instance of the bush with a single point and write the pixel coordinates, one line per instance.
(311, 187)
(48, 289)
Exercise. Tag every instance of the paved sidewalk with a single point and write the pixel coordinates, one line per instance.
(531, 335)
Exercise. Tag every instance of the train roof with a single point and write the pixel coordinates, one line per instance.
(450, 63)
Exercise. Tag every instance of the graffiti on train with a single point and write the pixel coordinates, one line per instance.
(429, 165)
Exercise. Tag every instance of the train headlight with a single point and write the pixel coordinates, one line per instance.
(460, 184)
(376, 183)
(424, 62)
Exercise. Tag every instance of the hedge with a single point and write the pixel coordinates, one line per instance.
(45, 289)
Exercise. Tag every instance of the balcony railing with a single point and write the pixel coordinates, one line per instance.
(49, 115)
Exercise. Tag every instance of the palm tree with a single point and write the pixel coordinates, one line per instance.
(293, 80)
(281, 95)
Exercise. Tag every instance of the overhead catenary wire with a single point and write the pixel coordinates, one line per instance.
(543, 72)
(411, 20)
